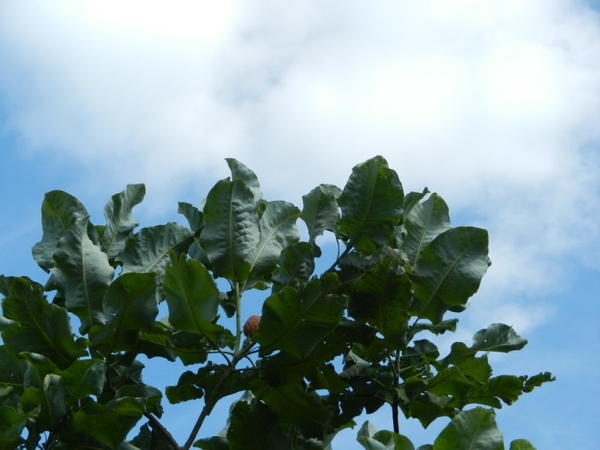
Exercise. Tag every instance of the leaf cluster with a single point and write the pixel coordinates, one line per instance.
(330, 345)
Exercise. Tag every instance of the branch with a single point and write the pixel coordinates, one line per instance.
(213, 397)
(155, 423)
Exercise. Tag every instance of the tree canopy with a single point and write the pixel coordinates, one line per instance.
(327, 346)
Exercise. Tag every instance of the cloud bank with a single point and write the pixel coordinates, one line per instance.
(496, 106)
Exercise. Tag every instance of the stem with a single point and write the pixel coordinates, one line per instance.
(395, 416)
(213, 397)
(238, 318)
(159, 426)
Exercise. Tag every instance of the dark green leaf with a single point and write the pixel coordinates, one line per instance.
(425, 222)
(295, 405)
(192, 296)
(521, 444)
(537, 380)
(240, 172)
(253, 426)
(85, 377)
(12, 424)
(86, 273)
(213, 443)
(382, 297)
(471, 430)
(129, 306)
(371, 205)
(495, 338)
(231, 232)
(449, 271)
(148, 250)
(119, 220)
(277, 231)
(12, 369)
(59, 212)
(296, 265)
(411, 200)
(320, 210)
(193, 215)
(39, 327)
(298, 322)
(371, 439)
(109, 423)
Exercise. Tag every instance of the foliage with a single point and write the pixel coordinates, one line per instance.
(330, 345)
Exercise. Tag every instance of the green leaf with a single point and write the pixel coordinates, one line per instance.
(108, 423)
(119, 220)
(193, 215)
(213, 443)
(449, 271)
(277, 231)
(495, 338)
(148, 250)
(192, 296)
(296, 265)
(411, 200)
(320, 211)
(86, 273)
(521, 444)
(471, 430)
(381, 297)
(371, 439)
(240, 172)
(425, 222)
(297, 322)
(38, 327)
(12, 424)
(232, 231)
(253, 426)
(12, 370)
(371, 205)
(59, 212)
(295, 405)
(129, 306)
(85, 377)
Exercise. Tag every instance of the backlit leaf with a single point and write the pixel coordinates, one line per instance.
(86, 273)
(449, 271)
(371, 205)
(119, 220)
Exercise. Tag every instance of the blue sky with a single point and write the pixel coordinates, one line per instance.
(494, 105)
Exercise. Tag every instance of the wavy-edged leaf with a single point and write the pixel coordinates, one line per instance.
(148, 250)
(253, 426)
(521, 444)
(59, 212)
(12, 424)
(424, 223)
(232, 231)
(381, 297)
(129, 306)
(371, 205)
(371, 439)
(278, 230)
(119, 220)
(192, 296)
(295, 266)
(449, 271)
(471, 430)
(320, 210)
(108, 423)
(497, 337)
(240, 172)
(193, 215)
(39, 326)
(86, 273)
(297, 322)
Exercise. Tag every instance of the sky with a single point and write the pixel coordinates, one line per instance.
(493, 105)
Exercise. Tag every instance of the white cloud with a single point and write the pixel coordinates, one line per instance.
(490, 104)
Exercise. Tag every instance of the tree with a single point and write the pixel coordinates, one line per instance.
(329, 345)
